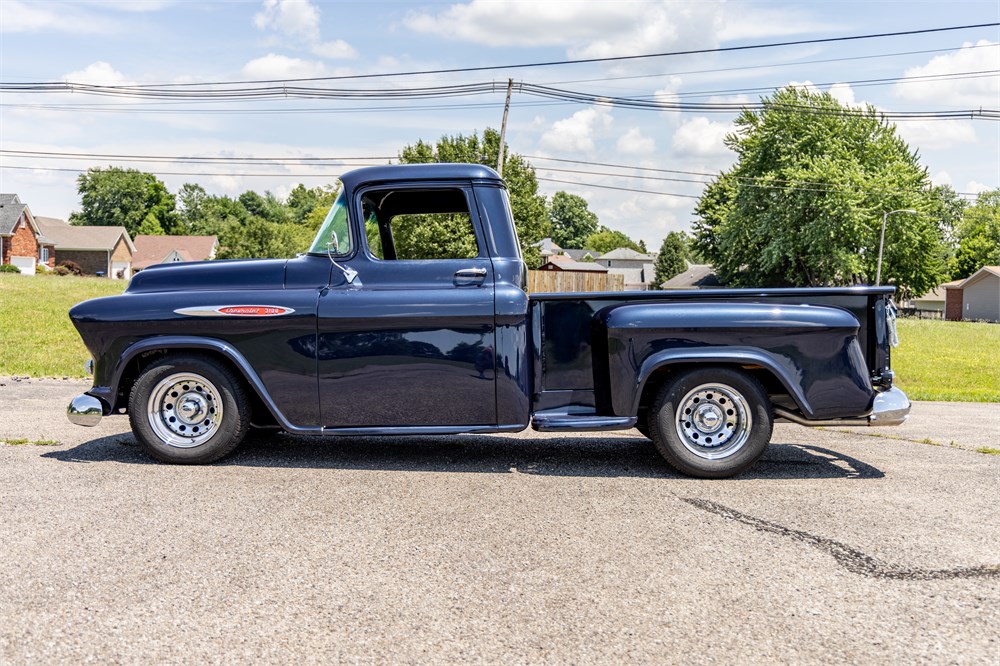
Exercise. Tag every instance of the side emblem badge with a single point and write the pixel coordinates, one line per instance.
(235, 311)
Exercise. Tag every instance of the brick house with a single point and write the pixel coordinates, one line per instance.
(22, 243)
(151, 250)
(103, 251)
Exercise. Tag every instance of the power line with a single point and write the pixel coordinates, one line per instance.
(746, 181)
(267, 93)
(554, 63)
(622, 189)
(794, 63)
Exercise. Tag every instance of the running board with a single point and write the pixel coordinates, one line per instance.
(567, 422)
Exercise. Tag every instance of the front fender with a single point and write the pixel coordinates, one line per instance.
(107, 394)
(813, 351)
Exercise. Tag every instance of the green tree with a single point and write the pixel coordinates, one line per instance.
(978, 235)
(672, 259)
(605, 240)
(572, 221)
(123, 197)
(527, 206)
(803, 204)
(260, 239)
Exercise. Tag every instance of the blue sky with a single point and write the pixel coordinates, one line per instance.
(165, 41)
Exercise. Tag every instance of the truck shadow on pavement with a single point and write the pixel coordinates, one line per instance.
(550, 456)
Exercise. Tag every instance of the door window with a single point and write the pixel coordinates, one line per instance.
(419, 224)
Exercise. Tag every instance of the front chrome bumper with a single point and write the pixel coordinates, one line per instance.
(85, 410)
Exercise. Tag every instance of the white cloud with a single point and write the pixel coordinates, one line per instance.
(747, 22)
(977, 187)
(936, 134)
(273, 66)
(335, 50)
(299, 21)
(843, 93)
(98, 73)
(518, 23)
(131, 5)
(601, 29)
(941, 178)
(634, 143)
(576, 134)
(701, 137)
(806, 85)
(295, 18)
(974, 92)
(33, 17)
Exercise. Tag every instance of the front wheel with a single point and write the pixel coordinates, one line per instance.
(711, 422)
(189, 410)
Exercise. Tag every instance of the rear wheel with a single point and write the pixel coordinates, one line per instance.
(711, 422)
(188, 409)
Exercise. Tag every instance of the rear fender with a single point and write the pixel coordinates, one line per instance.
(813, 351)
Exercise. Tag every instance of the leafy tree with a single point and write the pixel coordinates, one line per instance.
(803, 204)
(123, 197)
(572, 221)
(191, 199)
(672, 259)
(259, 238)
(605, 240)
(978, 236)
(527, 206)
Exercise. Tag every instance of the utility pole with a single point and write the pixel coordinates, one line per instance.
(503, 128)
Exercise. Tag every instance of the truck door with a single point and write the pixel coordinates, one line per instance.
(414, 344)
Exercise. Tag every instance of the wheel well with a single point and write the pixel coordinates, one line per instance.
(775, 390)
(259, 412)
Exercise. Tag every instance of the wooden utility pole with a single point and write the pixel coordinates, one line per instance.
(503, 128)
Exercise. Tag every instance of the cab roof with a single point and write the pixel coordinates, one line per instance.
(403, 172)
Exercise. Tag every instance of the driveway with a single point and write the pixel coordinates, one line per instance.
(871, 546)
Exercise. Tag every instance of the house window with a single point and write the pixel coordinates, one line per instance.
(45, 255)
(24, 222)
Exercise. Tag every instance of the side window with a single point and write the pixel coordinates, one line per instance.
(419, 224)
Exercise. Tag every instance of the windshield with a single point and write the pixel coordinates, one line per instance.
(335, 233)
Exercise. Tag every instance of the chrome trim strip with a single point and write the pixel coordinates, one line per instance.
(220, 311)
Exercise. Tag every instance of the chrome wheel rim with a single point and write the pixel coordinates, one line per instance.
(713, 421)
(184, 410)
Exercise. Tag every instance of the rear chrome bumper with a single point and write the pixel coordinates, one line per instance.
(891, 407)
(85, 410)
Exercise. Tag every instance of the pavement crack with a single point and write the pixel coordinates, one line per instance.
(848, 557)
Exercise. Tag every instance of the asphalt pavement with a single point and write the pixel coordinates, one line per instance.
(854, 545)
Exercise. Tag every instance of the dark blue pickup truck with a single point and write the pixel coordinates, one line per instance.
(372, 333)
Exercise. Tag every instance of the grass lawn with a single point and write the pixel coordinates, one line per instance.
(955, 361)
(36, 336)
(936, 360)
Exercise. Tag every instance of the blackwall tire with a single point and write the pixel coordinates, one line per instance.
(188, 410)
(711, 423)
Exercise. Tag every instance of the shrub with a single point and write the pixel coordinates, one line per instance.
(71, 266)
(8, 268)
(41, 269)
(61, 270)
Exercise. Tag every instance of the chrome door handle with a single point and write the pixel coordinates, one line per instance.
(469, 273)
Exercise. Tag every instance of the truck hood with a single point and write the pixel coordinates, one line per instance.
(210, 275)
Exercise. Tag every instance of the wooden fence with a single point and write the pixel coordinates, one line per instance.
(567, 281)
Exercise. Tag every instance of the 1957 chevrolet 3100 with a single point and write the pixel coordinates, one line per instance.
(362, 335)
